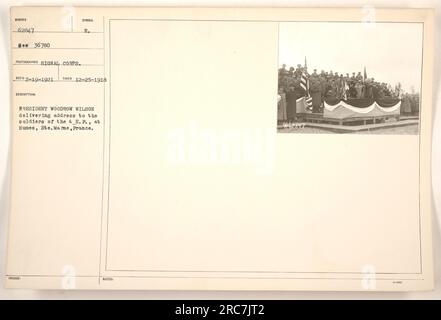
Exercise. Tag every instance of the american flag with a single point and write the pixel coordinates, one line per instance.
(309, 102)
(304, 83)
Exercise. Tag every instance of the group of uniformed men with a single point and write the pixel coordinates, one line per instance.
(328, 85)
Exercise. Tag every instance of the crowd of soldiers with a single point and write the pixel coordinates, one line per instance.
(329, 85)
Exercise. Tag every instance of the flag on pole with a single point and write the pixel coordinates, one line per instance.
(304, 83)
(365, 74)
(306, 65)
(308, 101)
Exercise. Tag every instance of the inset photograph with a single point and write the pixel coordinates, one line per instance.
(349, 77)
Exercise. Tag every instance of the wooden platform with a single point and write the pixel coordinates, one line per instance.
(319, 118)
(350, 125)
(364, 127)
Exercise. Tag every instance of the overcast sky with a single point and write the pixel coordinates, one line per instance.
(391, 52)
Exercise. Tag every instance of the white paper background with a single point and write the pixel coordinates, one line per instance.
(4, 167)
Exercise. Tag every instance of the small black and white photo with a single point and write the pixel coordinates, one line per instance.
(349, 77)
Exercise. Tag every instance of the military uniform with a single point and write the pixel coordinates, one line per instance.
(316, 94)
(291, 105)
(281, 108)
(323, 87)
(332, 91)
(300, 92)
(359, 90)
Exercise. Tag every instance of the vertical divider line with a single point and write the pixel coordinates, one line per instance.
(103, 150)
(110, 133)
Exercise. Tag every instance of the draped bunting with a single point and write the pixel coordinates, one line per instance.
(364, 103)
(348, 109)
(365, 109)
(388, 103)
(354, 108)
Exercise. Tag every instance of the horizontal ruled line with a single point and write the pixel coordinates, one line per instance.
(15, 31)
(59, 48)
(60, 65)
(228, 277)
(18, 80)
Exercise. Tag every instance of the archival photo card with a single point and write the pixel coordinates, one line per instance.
(145, 154)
